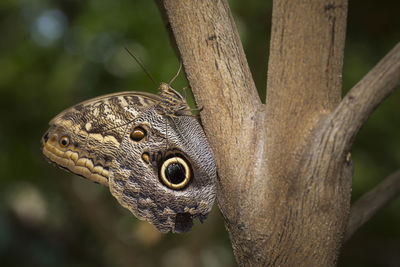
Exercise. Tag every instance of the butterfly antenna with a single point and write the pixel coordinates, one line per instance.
(140, 63)
(177, 74)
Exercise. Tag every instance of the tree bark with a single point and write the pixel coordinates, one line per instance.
(285, 170)
(308, 181)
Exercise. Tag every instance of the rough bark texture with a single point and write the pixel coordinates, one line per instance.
(308, 181)
(221, 81)
(284, 168)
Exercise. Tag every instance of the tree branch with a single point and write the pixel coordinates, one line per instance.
(307, 190)
(284, 185)
(220, 78)
(372, 202)
(366, 95)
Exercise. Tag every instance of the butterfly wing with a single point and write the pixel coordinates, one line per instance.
(175, 182)
(85, 138)
(159, 167)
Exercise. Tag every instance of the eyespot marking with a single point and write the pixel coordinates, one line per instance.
(175, 173)
(138, 133)
(146, 157)
(64, 141)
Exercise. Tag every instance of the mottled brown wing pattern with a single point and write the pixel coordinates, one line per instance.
(105, 115)
(147, 197)
(148, 149)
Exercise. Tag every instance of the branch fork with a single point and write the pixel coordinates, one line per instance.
(284, 168)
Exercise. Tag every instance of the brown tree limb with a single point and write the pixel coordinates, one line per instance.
(365, 96)
(306, 205)
(284, 178)
(373, 201)
(221, 81)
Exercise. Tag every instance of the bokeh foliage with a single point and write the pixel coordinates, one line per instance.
(54, 54)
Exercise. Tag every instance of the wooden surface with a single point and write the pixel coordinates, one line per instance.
(285, 170)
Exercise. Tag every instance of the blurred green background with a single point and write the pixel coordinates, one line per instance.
(54, 54)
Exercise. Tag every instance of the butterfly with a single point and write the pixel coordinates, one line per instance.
(148, 149)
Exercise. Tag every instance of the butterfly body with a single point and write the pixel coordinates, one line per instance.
(148, 149)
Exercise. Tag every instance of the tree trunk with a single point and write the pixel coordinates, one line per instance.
(285, 170)
(308, 178)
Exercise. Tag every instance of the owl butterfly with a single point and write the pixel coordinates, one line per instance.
(148, 149)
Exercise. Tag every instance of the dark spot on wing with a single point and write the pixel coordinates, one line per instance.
(183, 222)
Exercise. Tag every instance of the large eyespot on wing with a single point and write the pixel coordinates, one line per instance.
(175, 173)
(141, 189)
